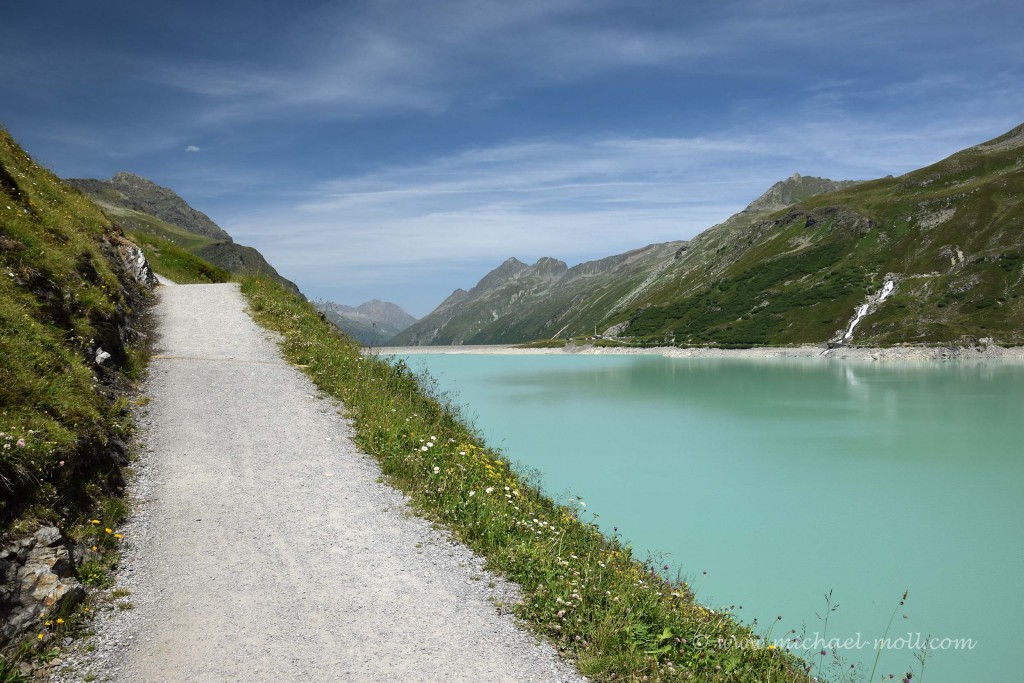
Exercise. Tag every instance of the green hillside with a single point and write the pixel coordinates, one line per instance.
(71, 293)
(142, 207)
(948, 237)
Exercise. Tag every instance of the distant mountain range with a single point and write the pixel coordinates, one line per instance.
(140, 205)
(933, 256)
(517, 303)
(372, 323)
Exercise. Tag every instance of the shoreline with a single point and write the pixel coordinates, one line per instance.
(807, 351)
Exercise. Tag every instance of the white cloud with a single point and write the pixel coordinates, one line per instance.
(191, 148)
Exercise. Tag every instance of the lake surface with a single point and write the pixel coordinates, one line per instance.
(785, 479)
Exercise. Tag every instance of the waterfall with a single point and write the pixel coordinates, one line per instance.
(862, 310)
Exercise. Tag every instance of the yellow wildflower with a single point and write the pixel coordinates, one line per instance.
(94, 548)
(109, 530)
(40, 636)
(119, 536)
(60, 621)
(94, 521)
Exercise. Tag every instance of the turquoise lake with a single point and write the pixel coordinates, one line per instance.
(785, 480)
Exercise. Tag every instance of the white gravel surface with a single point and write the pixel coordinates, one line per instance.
(265, 548)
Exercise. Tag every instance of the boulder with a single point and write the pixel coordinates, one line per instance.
(37, 578)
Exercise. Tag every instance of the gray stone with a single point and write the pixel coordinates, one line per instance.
(36, 579)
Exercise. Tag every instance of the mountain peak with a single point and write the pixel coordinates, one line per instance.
(794, 189)
(142, 194)
(372, 322)
(500, 275)
(126, 178)
(548, 267)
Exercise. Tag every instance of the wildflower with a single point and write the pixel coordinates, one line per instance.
(94, 548)
(40, 636)
(489, 489)
(424, 449)
(94, 522)
(47, 623)
(462, 452)
(437, 470)
(21, 443)
(119, 536)
(433, 438)
(60, 621)
(109, 530)
(430, 444)
(472, 493)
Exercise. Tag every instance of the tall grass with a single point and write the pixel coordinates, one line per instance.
(618, 617)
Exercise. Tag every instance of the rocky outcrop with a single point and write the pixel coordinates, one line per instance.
(37, 578)
(134, 263)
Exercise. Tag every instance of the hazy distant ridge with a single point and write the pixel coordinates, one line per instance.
(372, 323)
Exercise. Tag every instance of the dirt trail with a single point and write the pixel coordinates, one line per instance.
(267, 550)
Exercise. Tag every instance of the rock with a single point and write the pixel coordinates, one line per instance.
(36, 578)
(119, 452)
(132, 261)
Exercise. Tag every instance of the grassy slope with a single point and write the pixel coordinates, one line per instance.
(176, 263)
(58, 293)
(223, 256)
(139, 222)
(619, 617)
(797, 277)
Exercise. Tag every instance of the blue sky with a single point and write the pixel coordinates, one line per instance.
(401, 149)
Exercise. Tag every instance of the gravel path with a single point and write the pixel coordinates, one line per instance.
(266, 549)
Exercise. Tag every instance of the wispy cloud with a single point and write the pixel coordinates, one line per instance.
(351, 61)
(192, 148)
